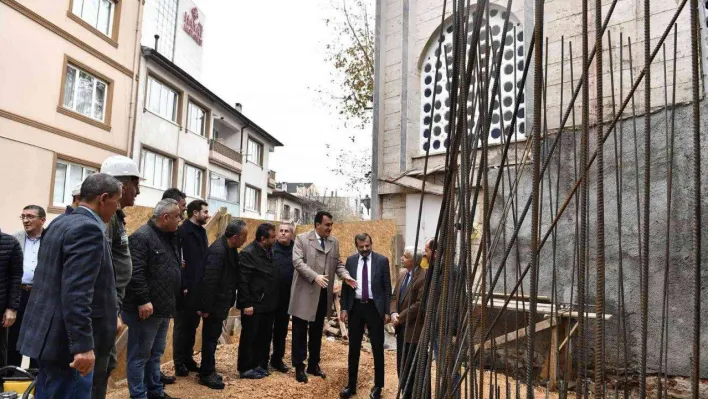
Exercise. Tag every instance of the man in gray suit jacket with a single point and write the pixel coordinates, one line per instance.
(72, 310)
(367, 305)
(315, 258)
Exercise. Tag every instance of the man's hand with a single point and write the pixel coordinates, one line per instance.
(83, 362)
(387, 319)
(248, 311)
(119, 324)
(343, 316)
(8, 318)
(394, 319)
(145, 311)
(351, 282)
(203, 314)
(322, 281)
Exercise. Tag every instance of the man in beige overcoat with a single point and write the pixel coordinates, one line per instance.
(316, 259)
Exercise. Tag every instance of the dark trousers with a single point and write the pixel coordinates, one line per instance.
(281, 318)
(406, 384)
(3, 346)
(106, 361)
(183, 335)
(14, 357)
(56, 380)
(211, 331)
(365, 314)
(254, 343)
(303, 328)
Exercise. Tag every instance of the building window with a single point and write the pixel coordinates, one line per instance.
(192, 181)
(297, 215)
(271, 205)
(437, 68)
(255, 152)
(97, 13)
(156, 170)
(286, 212)
(66, 177)
(196, 119)
(223, 189)
(252, 200)
(162, 100)
(84, 93)
(165, 26)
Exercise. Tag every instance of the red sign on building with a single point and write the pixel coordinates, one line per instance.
(192, 27)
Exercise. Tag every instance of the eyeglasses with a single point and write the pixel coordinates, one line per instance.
(28, 217)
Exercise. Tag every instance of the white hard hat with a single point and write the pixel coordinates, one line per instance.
(119, 165)
(76, 190)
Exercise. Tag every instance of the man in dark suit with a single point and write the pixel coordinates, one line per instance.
(193, 238)
(367, 305)
(283, 262)
(218, 294)
(73, 309)
(257, 300)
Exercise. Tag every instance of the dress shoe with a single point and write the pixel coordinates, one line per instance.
(181, 370)
(163, 396)
(263, 371)
(375, 393)
(280, 367)
(348, 392)
(316, 371)
(251, 375)
(213, 381)
(300, 375)
(167, 379)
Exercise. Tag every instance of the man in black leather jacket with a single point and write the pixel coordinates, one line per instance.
(283, 262)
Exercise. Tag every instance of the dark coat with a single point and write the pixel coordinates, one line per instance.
(409, 304)
(283, 262)
(73, 299)
(257, 280)
(156, 271)
(217, 291)
(10, 272)
(380, 283)
(193, 240)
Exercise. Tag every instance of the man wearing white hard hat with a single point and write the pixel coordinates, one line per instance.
(126, 171)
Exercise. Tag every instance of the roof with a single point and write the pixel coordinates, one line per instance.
(178, 72)
(292, 187)
(294, 198)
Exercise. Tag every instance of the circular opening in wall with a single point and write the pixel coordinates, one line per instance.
(436, 144)
(426, 133)
(495, 118)
(521, 113)
(447, 102)
(449, 29)
(447, 129)
(520, 51)
(438, 77)
(520, 36)
(496, 133)
(437, 52)
(507, 116)
(427, 93)
(426, 121)
(509, 69)
(426, 146)
(493, 12)
(436, 130)
(437, 105)
(496, 30)
(522, 127)
(438, 89)
(521, 65)
(426, 108)
(507, 101)
(508, 55)
(446, 143)
(428, 79)
(437, 118)
(508, 86)
(428, 67)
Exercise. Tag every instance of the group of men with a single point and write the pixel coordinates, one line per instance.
(68, 288)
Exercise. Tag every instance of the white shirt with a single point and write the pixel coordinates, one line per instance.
(360, 277)
(319, 239)
(29, 262)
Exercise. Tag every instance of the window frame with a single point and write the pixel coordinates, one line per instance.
(178, 103)
(248, 150)
(67, 160)
(207, 117)
(258, 192)
(145, 149)
(104, 124)
(201, 171)
(227, 181)
(114, 22)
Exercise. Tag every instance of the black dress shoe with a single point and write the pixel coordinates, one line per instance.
(300, 375)
(181, 370)
(375, 393)
(167, 379)
(348, 392)
(316, 371)
(213, 381)
(280, 367)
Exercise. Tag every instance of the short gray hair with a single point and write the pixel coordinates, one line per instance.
(98, 184)
(291, 225)
(234, 228)
(417, 255)
(164, 206)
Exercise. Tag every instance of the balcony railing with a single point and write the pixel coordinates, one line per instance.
(271, 178)
(225, 150)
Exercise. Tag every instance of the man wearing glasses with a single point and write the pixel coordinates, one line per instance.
(33, 218)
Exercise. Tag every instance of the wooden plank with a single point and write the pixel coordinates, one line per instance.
(509, 337)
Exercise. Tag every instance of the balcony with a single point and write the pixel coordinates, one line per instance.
(231, 207)
(223, 155)
(271, 178)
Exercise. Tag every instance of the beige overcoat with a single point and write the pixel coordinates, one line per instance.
(310, 260)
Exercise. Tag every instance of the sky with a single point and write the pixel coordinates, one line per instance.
(270, 57)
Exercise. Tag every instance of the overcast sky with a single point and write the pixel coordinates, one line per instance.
(270, 57)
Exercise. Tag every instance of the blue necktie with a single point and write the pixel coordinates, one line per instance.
(322, 243)
(404, 286)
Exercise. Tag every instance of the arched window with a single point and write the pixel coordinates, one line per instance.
(435, 116)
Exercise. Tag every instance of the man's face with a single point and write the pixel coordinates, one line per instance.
(285, 234)
(31, 221)
(171, 219)
(429, 252)
(407, 260)
(107, 206)
(202, 216)
(242, 237)
(270, 240)
(182, 208)
(324, 229)
(364, 247)
(131, 189)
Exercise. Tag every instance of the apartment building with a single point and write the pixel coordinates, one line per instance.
(67, 90)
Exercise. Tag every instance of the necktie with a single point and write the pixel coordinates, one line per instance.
(322, 243)
(404, 286)
(365, 281)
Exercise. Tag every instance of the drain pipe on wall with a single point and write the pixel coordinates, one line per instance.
(137, 63)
